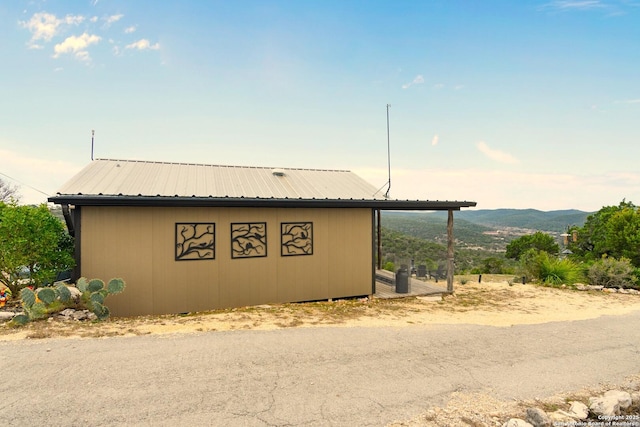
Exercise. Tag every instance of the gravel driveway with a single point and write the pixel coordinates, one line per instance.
(325, 376)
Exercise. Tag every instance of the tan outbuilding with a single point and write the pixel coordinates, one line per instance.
(193, 237)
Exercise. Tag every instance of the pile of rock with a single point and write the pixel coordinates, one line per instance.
(583, 287)
(614, 405)
(72, 314)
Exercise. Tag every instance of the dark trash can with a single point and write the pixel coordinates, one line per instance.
(422, 270)
(402, 281)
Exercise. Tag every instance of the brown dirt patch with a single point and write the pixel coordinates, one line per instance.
(492, 302)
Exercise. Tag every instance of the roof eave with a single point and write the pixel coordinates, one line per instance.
(163, 201)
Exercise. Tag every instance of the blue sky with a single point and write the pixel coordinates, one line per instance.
(512, 104)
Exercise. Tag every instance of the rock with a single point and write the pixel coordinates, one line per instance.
(623, 398)
(610, 290)
(537, 418)
(7, 315)
(516, 422)
(560, 416)
(75, 292)
(607, 406)
(622, 291)
(578, 410)
(67, 312)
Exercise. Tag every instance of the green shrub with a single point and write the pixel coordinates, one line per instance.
(613, 273)
(539, 265)
(555, 271)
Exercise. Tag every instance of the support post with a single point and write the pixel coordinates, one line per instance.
(450, 266)
(379, 241)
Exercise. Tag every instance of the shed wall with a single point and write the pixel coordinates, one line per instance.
(139, 245)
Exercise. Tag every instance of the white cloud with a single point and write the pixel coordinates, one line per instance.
(113, 18)
(574, 5)
(497, 155)
(458, 87)
(44, 26)
(416, 81)
(435, 140)
(143, 44)
(438, 86)
(76, 45)
(129, 30)
(630, 101)
(94, 19)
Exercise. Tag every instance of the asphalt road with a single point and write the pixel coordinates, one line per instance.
(303, 377)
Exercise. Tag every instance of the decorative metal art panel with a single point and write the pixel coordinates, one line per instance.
(296, 238)
(195, 241)
(248, 240)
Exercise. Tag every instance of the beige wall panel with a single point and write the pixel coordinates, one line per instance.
(138, 244)
(182, 286)
(247, 281)
(115, 243)
(304, 277)
(351, 253)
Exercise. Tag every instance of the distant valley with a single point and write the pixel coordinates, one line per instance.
(486, 230)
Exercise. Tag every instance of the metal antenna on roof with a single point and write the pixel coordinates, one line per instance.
(386, 195)
(92, 133)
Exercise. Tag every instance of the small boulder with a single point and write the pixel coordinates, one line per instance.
(623, 398)
(6, 315)
(579, 411)
(75, 292)
(537, 418)
(607, 406)
(560, 416)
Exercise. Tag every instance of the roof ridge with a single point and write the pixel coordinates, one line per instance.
(222, 166)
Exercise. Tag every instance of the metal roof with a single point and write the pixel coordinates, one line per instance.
(128, 182)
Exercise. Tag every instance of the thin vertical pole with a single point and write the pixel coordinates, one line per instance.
(92, 134)
(379, 242)
(450, 252)
(388, 154)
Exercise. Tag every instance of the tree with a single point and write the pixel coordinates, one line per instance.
(538, 240)
(613, 231)
(34, 246)
(8, 192)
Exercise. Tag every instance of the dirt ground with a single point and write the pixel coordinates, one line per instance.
(493, 302)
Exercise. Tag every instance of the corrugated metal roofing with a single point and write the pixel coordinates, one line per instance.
(130, 178)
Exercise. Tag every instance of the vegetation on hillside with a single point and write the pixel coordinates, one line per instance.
(604, 247)
(532, 219)
(400, 248)
(538, 240)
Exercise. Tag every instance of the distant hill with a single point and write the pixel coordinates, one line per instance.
(487, 229)
(552, 221)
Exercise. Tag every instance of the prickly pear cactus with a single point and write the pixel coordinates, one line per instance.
(115, 286)
(82, 284)
(94, 293)
(63, 292)
(28, 297)
(46, 295)
(95, 285)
